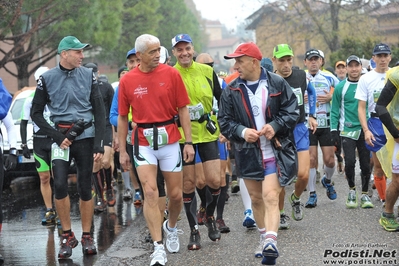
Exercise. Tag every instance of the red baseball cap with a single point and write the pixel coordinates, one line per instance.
(249, 49)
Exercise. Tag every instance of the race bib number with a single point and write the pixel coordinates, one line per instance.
(351, 134)
(59, 154)
(162, 136)
(298, 94)
(322, 121)
(129, 137)
(196, 111)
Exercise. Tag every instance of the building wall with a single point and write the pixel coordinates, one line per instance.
(214, 32)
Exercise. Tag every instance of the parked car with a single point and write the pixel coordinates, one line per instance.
(25, 167)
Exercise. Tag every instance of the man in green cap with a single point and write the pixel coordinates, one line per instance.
(74, 100)
(283, 57)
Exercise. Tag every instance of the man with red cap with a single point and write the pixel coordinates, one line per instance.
(258, 113)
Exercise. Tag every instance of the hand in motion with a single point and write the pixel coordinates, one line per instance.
(268, 131)
(11, 161)
(251, 135)
(26, 152)
(76, 130)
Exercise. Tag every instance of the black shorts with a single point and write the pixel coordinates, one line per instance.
(207, 151)
(322, 136)
(42, 153)
(108, 136)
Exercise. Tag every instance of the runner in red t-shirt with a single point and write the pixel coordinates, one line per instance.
(157, 95)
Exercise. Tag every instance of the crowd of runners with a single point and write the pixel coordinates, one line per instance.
(184, 132)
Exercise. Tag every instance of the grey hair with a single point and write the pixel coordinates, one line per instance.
(143, 41)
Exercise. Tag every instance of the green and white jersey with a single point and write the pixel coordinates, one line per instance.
(344, 116)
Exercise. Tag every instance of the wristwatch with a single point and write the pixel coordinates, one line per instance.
(313, 116)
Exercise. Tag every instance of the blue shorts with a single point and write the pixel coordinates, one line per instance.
(222, 150)
(197, 157)
(301, 136)
(270, 166)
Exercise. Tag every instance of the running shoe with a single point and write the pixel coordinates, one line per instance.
(201, 216)
(158, 257)
(249, 221)
(213, 231)
(234, 186)
(284, 221)
(88, 247)
(58, 221)
(49, 218)
(270, 252)
(331, 194)
(365, 202)
(172, 239)
(165, 215)
(148, 238)
(195, 240)
(297, 208)
(110, 197)
(351, 201)
(100, 206)
(137, 198)
(312, 201)
(223, 228)
(128, 194)
(389, 223)
(68, 242)
(259, 248)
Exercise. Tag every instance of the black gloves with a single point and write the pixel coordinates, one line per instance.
(335, 138)
(25, 151)
(76, 129)
(11, 161)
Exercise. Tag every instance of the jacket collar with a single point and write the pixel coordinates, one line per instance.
(180, 68)
(263, 76)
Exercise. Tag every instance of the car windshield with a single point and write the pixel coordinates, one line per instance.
(16, 110)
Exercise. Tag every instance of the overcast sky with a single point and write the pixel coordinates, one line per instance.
(228, 12)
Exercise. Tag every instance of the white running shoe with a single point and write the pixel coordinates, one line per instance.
(259, 248)
(172, 238)
(158, 257)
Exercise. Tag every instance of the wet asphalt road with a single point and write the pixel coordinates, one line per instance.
(24, 241)
(328, 233)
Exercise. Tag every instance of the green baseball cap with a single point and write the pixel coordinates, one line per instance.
(282, 50)
(71, 43)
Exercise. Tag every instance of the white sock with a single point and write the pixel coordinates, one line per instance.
(312, 180)
(126, 180)
(246, 199)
